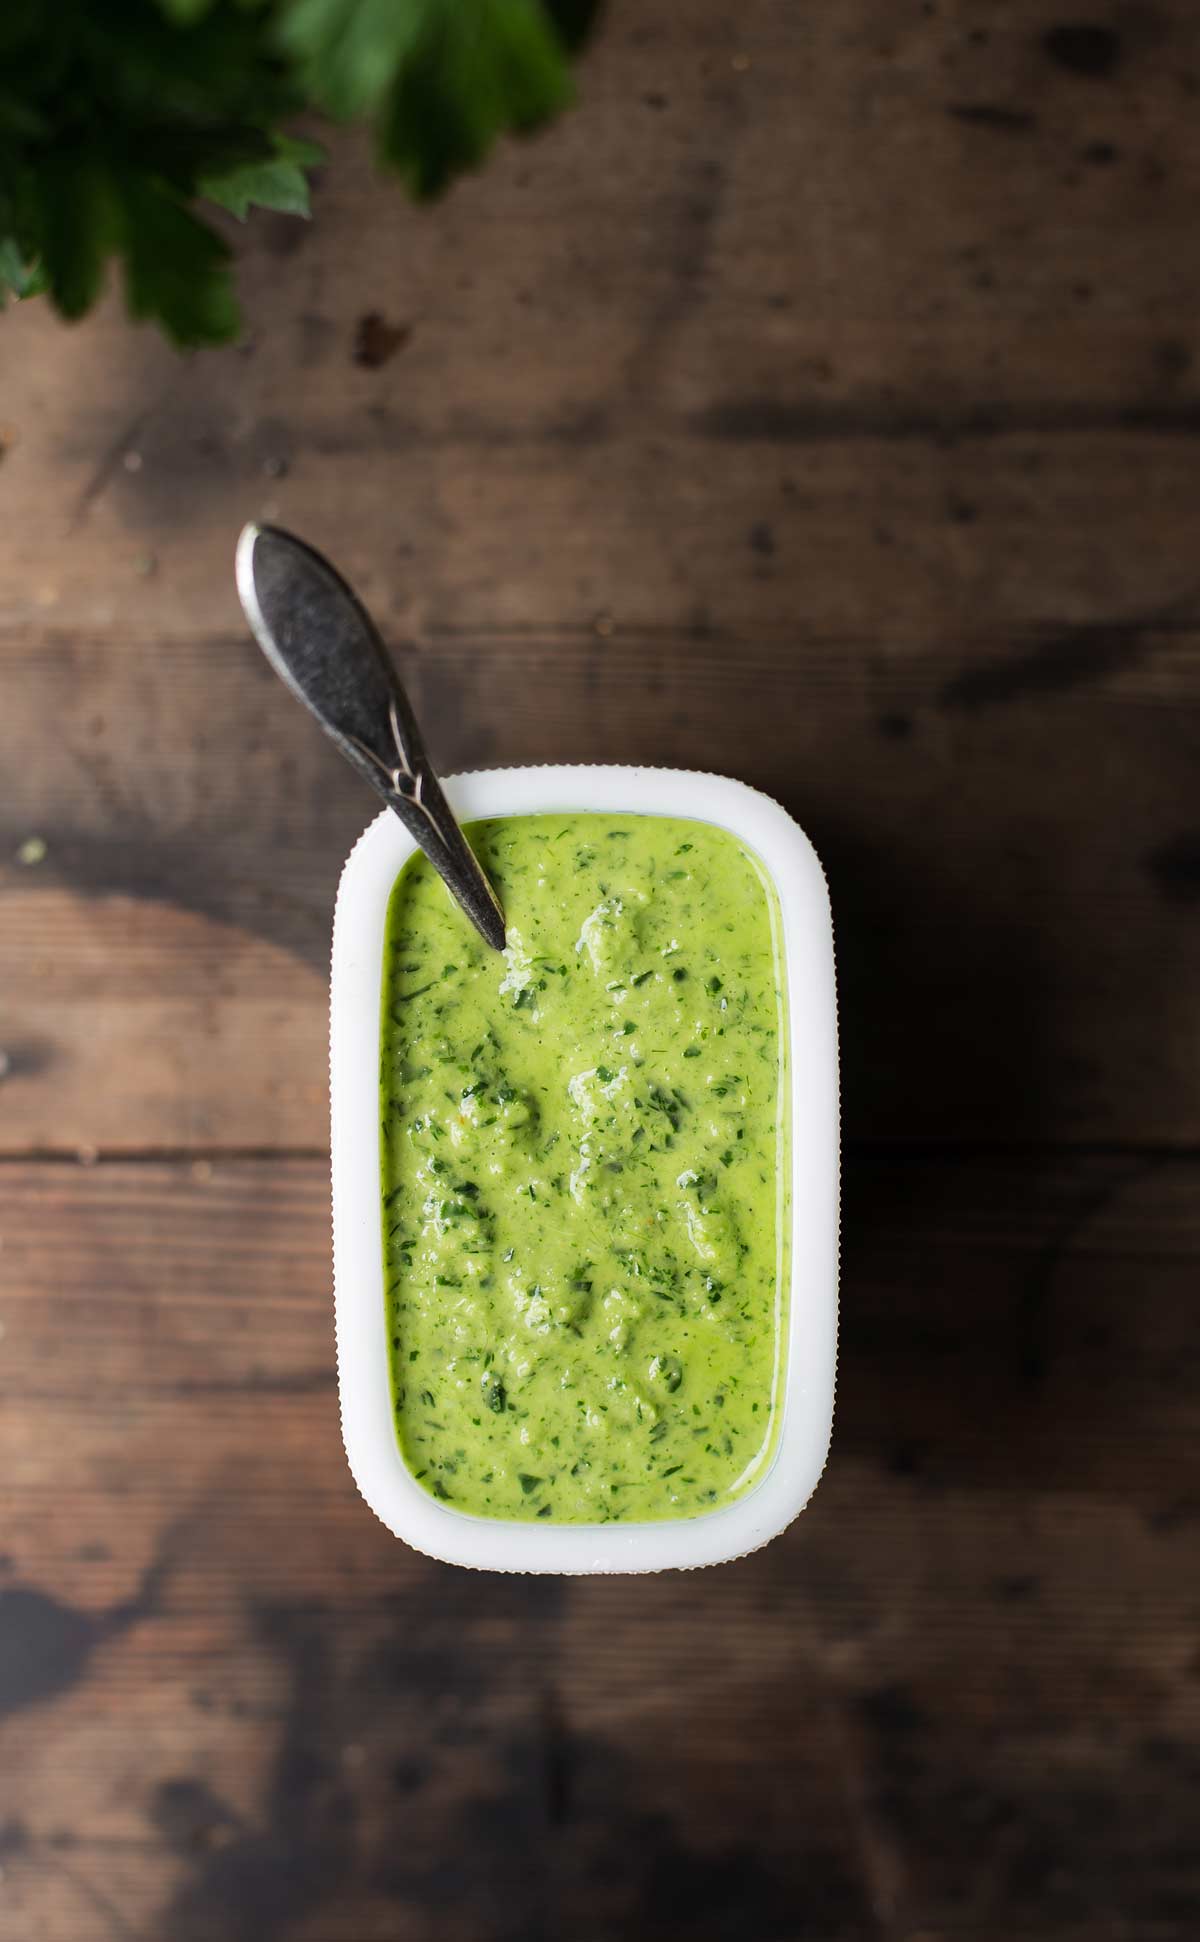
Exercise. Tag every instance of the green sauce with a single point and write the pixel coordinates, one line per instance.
(583, 1232)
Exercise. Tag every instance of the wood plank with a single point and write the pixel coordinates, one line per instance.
(818, 403)
(882, 476)
(1007, 820)
(873, 316)
(959, 1697)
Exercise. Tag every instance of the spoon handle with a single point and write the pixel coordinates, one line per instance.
(322, 643)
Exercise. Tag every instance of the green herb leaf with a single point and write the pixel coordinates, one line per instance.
(116, 120)
(185, 11)
(350, 50)
(77, 222)
(17, 277)
(279, 182)
(176, 269)
(473, 70)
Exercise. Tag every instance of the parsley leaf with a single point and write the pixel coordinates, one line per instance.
(176, 268)
(17, 277)
(77, 216)
(277, 182)
(349, 50)
(480, 66)
(118, 119)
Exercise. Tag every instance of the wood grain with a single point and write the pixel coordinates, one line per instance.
(958, 1697)
(818, 403)
(1009, 832)
(789, 270)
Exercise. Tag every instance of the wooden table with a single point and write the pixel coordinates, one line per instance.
(819, 404)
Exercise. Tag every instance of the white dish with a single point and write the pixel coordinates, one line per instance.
(810, 1314)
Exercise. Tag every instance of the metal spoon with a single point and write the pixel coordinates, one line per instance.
(322, 643)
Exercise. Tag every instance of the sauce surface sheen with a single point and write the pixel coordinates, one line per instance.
(581, 1158)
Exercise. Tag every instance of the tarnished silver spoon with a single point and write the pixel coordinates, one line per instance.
(322, 643)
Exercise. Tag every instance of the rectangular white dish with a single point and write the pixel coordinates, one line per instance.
(809, 1325)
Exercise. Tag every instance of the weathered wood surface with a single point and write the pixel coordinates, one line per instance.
(958, 1698)
(903, 285)
(841, 361)
(821, 404)
(1011, 834)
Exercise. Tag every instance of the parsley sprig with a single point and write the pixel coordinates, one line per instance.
(121, 119)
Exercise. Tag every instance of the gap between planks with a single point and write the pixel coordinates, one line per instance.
(896, 1152)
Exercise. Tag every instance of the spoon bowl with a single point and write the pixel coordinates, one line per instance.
(324, 646)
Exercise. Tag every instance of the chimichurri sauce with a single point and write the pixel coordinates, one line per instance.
(582, 1142)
